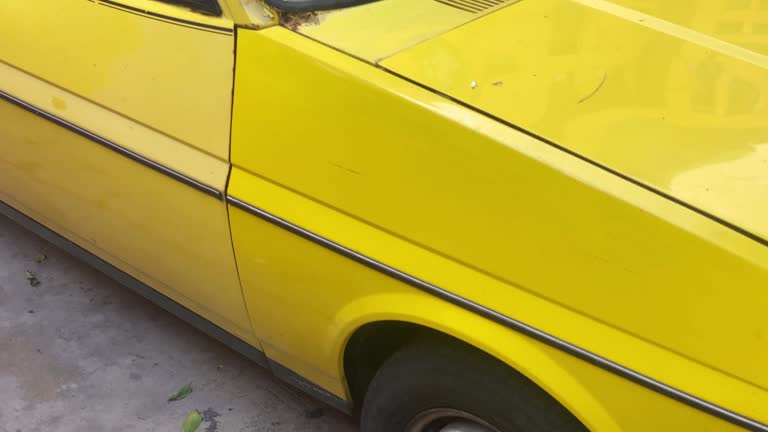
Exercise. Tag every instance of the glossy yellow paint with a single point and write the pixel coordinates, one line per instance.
(681, 106)
(545, 238)
(250, 13)
(171, 11)
(129, 134)
(309, 300)
(166, 234)
(741, 23)
(419, 182)
(377, 30)
(173, 78)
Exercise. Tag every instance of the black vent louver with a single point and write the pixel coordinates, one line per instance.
(473, 6)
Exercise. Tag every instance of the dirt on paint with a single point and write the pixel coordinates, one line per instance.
(295, 21)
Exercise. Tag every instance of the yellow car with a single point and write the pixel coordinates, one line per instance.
(439, 215)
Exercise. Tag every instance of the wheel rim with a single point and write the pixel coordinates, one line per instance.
(448, 420)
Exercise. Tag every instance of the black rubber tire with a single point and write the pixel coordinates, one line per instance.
(449, 374)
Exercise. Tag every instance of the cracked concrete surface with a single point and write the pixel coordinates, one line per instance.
(80, 353)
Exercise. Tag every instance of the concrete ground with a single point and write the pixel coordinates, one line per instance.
(81, 353)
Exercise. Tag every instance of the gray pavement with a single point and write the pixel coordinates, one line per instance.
(81, 353)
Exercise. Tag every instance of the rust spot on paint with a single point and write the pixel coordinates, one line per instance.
(295, 21)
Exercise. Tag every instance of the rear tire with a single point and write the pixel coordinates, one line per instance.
(449, 377)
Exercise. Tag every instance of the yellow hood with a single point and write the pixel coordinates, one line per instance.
(672, 94)
(375, 31)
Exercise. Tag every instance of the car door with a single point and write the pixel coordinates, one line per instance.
(114, 131)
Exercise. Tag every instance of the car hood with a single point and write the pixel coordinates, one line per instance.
(375, 31)
(671, 94)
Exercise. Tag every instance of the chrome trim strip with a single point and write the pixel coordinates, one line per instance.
(202, 187)
(539, 335)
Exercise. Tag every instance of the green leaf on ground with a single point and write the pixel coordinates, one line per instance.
(192, 422)
(182, 393)
(40, 258)
(32, 279)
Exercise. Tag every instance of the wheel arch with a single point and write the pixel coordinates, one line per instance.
(373, 338)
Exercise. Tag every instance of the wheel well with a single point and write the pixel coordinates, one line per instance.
(367, 350)
(372, 344)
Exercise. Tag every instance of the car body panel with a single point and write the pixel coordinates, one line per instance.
(377, 30)
(86, 170)
(253, 14)
(741, 23)
(681, 111)
(318, 299)
(616, 300)
(443, 166)
(172, 77)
